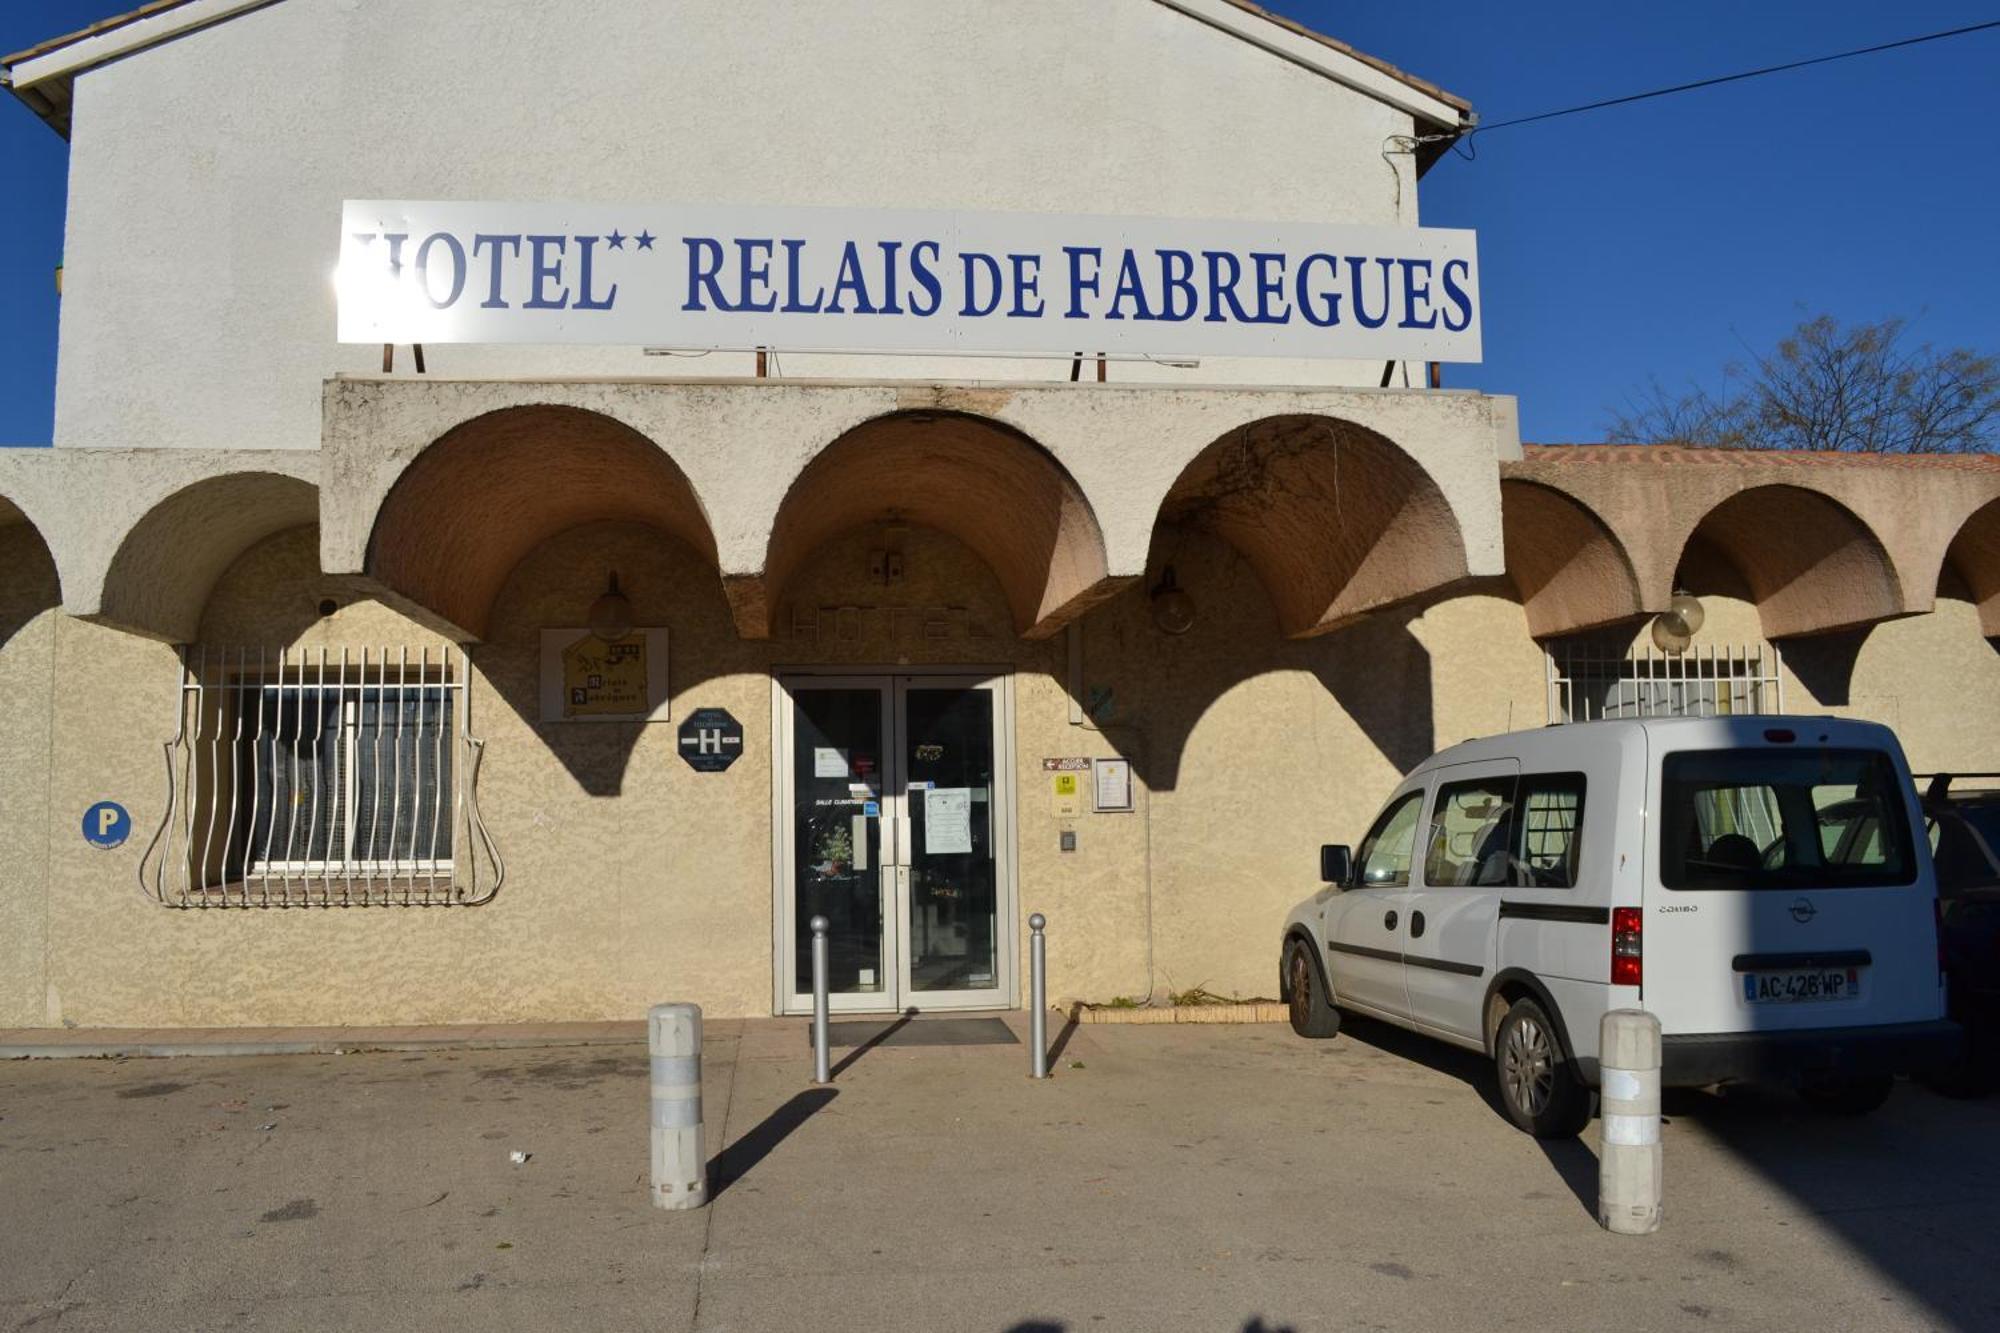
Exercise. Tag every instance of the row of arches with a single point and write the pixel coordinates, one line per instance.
(1334, 518)
(1810, 563)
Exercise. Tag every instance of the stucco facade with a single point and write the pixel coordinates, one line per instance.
(1374, 572)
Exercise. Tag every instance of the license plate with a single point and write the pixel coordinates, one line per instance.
(1808, 984)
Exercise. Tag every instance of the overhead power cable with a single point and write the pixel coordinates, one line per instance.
(1734, 78)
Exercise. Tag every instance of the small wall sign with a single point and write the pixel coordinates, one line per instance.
(711, 740)
(585, 679)
(1113, 785)
(1066, 795)
(106, 825)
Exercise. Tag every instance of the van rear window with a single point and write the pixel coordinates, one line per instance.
(1783, 819)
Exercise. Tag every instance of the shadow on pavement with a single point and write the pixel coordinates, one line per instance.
(1573, 1162)
(734, 1162)
(902, 1021)
(1051, 1325)
(1476, 1071)
(1253, 1325)
(1898, 1186)
(1061, 1043)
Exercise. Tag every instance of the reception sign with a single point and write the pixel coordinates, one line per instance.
(861, 280)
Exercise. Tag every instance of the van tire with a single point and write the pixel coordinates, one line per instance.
(1539, 1088)
(1848, 1096)
(1311, 1011)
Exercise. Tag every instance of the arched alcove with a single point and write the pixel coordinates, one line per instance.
(161, 576)
(1336, 520)
(1809, 563)
(29, 583)
(1974, 556)
(1569, 568)
(991, 487)
(490, 490)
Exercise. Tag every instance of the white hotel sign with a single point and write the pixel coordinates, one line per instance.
(857, 280)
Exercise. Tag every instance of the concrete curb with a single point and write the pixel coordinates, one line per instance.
(83, 1047)
(1260, 1012)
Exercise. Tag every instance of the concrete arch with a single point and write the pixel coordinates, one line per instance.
(1335, 518)
(1974, 555)
(159, 578)
(1811, 564)
(12, 515)
(991, 486)
(468, 507)
(1570, 569)
(30, 583)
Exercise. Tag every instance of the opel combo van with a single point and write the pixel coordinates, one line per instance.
(1761, 884)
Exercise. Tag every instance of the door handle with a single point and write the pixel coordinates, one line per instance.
(1389, 920)
(1416, 924)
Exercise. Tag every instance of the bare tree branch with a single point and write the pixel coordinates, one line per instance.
(1825, 386)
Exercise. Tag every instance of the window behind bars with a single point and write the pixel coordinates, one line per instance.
(322, 779)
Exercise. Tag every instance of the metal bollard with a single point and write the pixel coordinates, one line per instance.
(1628, 1171)
(1038, 998)
(680, 1165)
(821, 1067)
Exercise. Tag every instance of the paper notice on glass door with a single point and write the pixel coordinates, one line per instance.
(947, 820)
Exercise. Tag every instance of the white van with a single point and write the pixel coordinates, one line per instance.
(1760, 883)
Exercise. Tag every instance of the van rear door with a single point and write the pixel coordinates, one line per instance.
(1788, 884)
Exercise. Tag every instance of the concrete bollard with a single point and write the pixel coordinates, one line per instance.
(1628, 1168)
(1038, 997)
(822, 1070)
(680, 1164)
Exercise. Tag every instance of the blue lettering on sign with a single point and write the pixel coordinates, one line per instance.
(106, 825)
(913, 276)
(921, 268)
(989, 266)
(494, 300)
(1456, 295)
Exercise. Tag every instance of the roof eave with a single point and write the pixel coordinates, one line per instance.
(43, 76)
(49, 101)
(1432, 108)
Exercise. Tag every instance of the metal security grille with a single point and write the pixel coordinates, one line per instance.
(1586, 682)
(311, 778)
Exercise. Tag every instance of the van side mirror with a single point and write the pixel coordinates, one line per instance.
(1336, 863)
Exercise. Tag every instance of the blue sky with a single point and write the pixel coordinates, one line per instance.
(1651, 241)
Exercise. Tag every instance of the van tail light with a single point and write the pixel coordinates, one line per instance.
(1627, 949)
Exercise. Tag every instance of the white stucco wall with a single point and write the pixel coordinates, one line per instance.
(207, 173)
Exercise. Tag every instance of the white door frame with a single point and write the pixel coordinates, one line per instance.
(893, 680)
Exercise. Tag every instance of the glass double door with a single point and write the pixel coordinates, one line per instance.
(895, 825)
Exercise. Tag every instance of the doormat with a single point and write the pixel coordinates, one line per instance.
(922, 1032)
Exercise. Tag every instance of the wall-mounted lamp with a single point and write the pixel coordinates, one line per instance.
(1173, 609)
(1674, 628)
(611, 615)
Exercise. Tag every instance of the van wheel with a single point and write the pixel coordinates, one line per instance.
(1538, 1086)
(1312, 1014)
(1848, 1096)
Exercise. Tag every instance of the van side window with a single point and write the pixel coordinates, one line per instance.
(1551, 831)
(1471, 834)
(1385, 852)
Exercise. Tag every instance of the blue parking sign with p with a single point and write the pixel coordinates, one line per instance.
(106, 825)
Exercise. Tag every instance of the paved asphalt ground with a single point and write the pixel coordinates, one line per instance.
(1197, 1178)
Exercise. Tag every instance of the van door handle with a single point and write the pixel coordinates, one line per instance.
(1416, 924)
(1388, 921)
